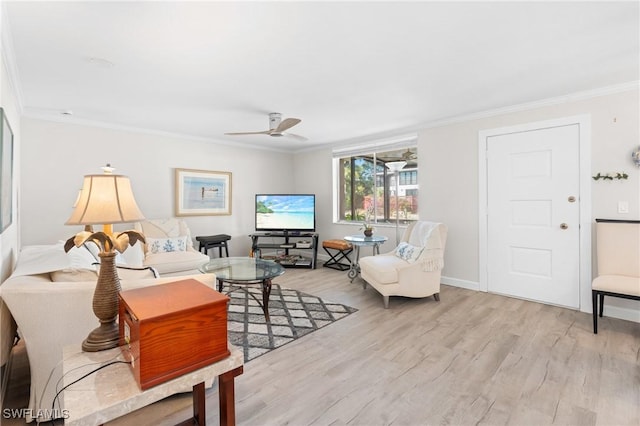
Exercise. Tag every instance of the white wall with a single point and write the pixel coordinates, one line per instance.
(10, 238)
(449, 178)
(57, 155)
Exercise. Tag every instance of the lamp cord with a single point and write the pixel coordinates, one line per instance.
(81, 378)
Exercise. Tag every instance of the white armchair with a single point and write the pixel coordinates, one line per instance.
(169, 247)
(413, 268)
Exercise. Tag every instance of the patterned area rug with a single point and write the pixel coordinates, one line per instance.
(293, 314)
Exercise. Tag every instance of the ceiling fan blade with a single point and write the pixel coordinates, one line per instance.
(264, 132)
(285, 124)
(298, 137)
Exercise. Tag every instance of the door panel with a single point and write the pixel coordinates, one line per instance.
(531, 175)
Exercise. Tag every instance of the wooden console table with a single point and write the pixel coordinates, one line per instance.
(113, 392)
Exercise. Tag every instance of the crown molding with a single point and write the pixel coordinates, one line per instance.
(105, 125)
(573, 97)
(558, 100)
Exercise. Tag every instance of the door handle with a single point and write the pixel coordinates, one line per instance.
(563, 226)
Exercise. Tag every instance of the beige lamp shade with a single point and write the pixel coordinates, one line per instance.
(105, 199)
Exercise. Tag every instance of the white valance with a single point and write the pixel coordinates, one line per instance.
(381, 145)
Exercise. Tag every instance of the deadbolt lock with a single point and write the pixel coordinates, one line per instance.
(572, 199)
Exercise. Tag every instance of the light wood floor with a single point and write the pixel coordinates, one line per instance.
(472, 358)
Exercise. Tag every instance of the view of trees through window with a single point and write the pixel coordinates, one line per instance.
(368, 190)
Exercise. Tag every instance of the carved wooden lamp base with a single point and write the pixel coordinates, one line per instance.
(105, 307)
(104, 337)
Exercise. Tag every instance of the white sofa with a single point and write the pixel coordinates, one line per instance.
(50, 298)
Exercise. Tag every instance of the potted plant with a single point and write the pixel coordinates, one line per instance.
(367, 226)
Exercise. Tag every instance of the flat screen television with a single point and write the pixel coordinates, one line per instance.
(286, 212)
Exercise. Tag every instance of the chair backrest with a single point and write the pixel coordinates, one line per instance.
(419, 231)
(618, 248)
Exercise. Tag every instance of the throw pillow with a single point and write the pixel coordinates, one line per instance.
(41, 259)
(166, 245)
(406, 251)
(82, 257)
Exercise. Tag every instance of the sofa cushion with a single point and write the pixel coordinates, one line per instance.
(384, 268)
(176, 261)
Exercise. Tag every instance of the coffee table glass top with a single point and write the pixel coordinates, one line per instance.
(242, 269)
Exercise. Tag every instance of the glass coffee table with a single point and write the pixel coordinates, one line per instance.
(245, 271)
(358, 241)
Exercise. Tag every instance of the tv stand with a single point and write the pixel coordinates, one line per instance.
(284, 241)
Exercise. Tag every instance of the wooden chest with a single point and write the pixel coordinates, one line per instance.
(171, 329)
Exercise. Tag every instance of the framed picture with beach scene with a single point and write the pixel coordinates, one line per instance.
(202, 192)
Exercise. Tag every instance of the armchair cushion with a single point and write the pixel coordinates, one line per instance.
(384, 267)
(157, 232)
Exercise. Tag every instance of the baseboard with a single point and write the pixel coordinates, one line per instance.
(622, 313)
(456, 282)
(609, 311)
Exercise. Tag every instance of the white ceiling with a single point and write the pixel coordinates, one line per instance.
(349, 70)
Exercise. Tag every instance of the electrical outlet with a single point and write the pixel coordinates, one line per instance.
(623, 207)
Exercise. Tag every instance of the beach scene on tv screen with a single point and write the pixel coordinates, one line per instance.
(285, 212)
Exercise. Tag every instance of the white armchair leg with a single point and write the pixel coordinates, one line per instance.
(437, 297)
(385, 299)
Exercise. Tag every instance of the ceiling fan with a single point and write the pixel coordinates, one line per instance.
(409, 155)
(277, 127)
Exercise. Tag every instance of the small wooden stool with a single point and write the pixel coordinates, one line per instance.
(342, 250)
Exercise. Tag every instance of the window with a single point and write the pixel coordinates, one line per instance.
(366, 187)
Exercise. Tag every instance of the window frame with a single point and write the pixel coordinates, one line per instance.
(346, 210)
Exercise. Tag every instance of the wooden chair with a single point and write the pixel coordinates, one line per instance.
(618, 254)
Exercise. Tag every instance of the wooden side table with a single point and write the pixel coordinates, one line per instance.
(113, 392)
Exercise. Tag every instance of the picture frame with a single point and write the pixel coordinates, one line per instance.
(202, 192)
(6, 172)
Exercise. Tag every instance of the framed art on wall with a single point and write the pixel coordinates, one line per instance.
(6, 172)
(202, 192)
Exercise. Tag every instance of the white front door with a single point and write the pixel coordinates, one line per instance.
(533, 215)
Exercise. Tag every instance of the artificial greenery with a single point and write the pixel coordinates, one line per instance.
(617, 176)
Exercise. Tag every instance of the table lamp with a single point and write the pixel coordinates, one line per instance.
(105, 199)
(396, 166)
